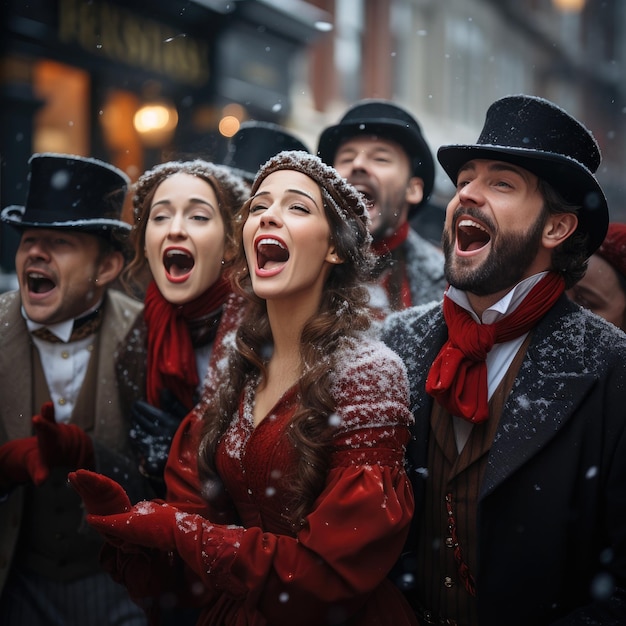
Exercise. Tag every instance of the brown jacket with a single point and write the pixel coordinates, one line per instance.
(110, 432)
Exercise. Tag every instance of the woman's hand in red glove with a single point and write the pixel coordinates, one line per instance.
(152, 524)
(101, 495)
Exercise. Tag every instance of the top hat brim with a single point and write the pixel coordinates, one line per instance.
(413, 143)
(570, 178)
(13, 216)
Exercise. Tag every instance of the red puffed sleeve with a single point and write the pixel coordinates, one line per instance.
(338, 563)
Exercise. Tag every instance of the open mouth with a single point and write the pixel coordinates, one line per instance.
(368, 197)
(270, 253)
(38, 283)
(471, 236)
(178, 262)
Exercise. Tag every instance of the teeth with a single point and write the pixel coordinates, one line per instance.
(171, 253)
(471, 223)
(267, 241)
(36, 275)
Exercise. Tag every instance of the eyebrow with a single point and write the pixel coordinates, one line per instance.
(192, 200)
(299, 192)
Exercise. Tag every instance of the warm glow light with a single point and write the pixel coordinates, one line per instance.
(228, 125)
(569, 6)
(155, 122)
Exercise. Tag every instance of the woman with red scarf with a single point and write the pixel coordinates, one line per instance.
(183, 238)
(288, 502)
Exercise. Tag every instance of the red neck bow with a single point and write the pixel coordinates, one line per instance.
(458, 375)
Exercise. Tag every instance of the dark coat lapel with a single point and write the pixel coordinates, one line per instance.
(542, 398)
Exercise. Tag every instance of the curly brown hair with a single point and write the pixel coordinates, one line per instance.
(230, 191)
(342, 314)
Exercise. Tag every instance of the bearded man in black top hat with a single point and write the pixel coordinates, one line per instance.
(379, 147)
(60, 407)
(518, 458)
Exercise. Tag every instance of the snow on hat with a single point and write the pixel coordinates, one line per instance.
(337, 191)
(72, 193)
(541, 137)
(613, 248)
(231, 185)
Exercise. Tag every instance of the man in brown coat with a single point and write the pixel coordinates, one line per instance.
(60, 408)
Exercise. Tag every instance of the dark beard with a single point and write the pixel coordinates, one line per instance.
(509, 258)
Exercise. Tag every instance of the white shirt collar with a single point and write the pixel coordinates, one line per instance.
(507, 304)
(63, 330)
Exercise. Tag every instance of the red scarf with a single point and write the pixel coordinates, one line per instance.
(385, 246)
(171, 359)
(458, 376)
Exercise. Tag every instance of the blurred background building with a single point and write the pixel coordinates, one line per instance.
(136, 82)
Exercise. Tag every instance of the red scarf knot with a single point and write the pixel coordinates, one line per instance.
(458, 376)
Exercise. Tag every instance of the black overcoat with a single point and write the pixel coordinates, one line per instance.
(552, 506)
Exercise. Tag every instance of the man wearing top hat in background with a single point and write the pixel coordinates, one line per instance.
(255, 143)
(379, 148)
(518, 459)
(60, 408)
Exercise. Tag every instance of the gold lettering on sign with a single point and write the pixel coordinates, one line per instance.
(109, 31)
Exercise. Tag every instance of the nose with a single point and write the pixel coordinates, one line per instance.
(37, 249)
(471, 193)
(270, 217)
(178, 227)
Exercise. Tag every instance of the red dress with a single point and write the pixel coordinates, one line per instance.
(252, 568)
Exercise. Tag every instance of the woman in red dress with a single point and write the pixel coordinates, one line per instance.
(287, 498)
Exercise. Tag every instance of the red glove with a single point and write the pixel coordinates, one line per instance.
(100, 494)
(20, 462)
(152, 523)
(62, 445)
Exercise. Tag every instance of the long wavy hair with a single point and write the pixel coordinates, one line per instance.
(230, 191)
(341, 315)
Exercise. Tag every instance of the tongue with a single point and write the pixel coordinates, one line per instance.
(177, 270)
(471, 238)
(271, 255)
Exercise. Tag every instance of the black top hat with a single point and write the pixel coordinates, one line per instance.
(389, 121)
(254, 144)
(542, 138)
(72, 193)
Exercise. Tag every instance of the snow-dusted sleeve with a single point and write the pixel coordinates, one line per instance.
(358, 524)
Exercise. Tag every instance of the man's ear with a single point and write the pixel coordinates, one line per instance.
(415, 190)
(558, 228)
(109, 268)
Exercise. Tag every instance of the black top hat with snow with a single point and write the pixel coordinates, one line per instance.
(255, 143)
(388, 121)
(72, 193)
(539, 136)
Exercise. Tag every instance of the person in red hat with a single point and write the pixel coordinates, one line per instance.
(379, 148)
(518, 456)
(61, 408)
(603, 287)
